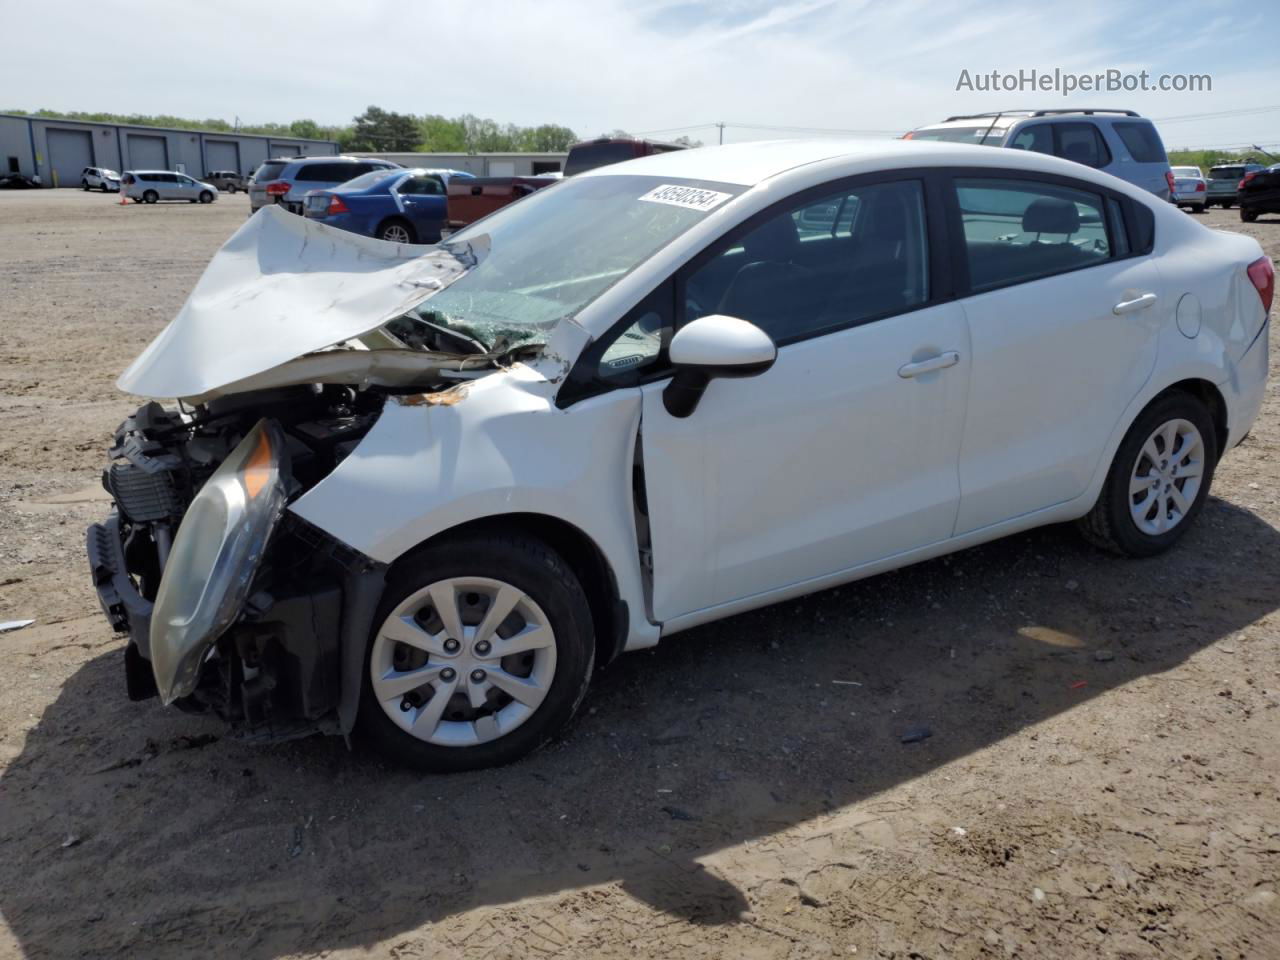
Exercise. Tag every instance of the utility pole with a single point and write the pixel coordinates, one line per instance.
(721, 126)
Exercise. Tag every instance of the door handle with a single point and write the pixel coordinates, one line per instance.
(1131, 306)
(940, 362)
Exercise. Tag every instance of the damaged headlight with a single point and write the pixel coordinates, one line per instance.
(218, 549)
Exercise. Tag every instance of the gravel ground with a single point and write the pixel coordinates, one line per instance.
(1102, 779)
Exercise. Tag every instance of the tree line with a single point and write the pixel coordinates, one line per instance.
(375, 129)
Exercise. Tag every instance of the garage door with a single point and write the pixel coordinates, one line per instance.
(147, 152)
(70, 151)
(283, 150)
(222, 155)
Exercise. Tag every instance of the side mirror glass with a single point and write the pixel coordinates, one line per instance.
(710, 347)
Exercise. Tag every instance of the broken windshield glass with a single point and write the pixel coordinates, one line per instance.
(546, 257)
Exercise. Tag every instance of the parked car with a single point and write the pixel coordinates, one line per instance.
(402, 206)
(99, 178)
(590, 154)
(1189, 189)
(227, 180)
(422, 494)
(18, 181)
(286, 180)
(1224, 177)
(1259, 192)
(469, 200)
(1119, 142)
(148, 186)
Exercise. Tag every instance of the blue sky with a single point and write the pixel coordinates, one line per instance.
(643, 65)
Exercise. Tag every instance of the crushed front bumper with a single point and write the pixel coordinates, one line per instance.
(127, 610)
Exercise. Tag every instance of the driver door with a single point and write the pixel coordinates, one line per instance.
(845, 451)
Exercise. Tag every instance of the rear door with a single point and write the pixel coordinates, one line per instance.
(1063, 320)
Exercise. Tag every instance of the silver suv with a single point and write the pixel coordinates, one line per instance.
(286, 180)
(1119, 142)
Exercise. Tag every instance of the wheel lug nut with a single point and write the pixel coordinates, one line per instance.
(447, 674)
(451, 646)
(483, 648)
(477, 676)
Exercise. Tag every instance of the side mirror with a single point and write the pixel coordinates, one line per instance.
(709, 347)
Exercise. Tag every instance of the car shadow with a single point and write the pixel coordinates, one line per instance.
(132, 830)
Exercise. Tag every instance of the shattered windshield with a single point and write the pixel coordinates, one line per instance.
(547, 256)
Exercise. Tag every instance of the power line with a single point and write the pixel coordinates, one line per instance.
(1220, 114)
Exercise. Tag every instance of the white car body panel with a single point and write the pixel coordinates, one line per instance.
(1044, 397)
(824, 469)
(743, 501)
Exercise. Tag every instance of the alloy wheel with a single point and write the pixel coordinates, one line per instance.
(463, 661)
(395, 233)
(1166, 477)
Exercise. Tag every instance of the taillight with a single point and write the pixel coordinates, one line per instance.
(1263, 276)
(278, 189)
(1200, 187)
(1168, 178)
(908, 135)
(1247, 178)
(337, 206)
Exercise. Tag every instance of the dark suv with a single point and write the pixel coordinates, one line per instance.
(286, 180)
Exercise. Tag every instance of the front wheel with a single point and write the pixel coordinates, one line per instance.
(1158, 480)
(206, 196)
(482, 652)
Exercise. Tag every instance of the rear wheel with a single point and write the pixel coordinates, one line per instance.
(150, 196)
(1158, 480)
(1227, 206)
(1248, 216)
(482, 652)
(397, 231)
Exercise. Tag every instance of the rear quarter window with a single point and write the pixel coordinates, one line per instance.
(1142, 142)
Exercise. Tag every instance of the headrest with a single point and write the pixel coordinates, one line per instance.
(1047, 215)
(776, 239)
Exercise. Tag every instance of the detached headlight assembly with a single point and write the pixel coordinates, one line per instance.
(214, 558)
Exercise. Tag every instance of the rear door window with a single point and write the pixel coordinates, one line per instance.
(1142, 141)
(1020, 230)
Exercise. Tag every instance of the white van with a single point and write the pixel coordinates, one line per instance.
(148, 186)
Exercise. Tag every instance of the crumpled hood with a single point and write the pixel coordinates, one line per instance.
(280, 288)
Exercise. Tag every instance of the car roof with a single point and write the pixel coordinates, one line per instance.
(748, 164)
(338, 159)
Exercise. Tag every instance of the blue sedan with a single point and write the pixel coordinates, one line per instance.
(403, 206)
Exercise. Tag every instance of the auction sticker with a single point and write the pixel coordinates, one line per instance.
(693, 198)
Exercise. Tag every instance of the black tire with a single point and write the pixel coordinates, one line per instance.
(1109, 524)
(1227, 206)
(1248, 216)
(231, 188)
(537, 570)
(103, 187)
(396, 222)
(150, 197)
(206, 196)
(84, 185)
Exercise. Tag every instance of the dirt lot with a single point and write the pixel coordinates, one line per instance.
(1103, 777)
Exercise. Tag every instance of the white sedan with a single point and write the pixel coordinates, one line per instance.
(419, 491)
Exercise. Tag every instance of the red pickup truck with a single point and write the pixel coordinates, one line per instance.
(469, 200)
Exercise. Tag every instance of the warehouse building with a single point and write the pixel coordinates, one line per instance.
(479, 164)
(56, 151)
